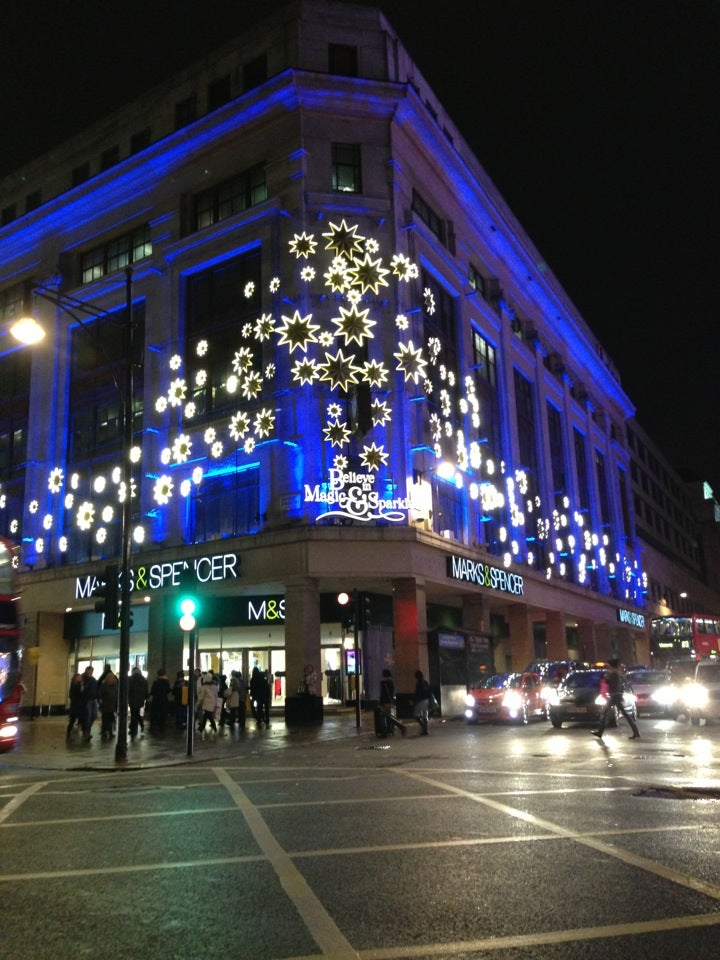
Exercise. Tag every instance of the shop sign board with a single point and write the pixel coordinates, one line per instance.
(484, 575)
(631, 618)
(352, 496)
(209, 569)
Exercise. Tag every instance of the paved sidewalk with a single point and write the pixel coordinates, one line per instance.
(42, 744)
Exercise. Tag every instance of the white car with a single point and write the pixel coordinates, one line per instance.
(702, 696)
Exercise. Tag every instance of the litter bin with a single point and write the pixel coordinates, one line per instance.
(404, 705)
(305, 709)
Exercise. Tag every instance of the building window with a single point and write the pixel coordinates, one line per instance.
(219, 92)
(140, 140)
(255, 72)
(230, 197)
(216, 308)
(582, 471)
(97, 353)
(603, 492)
(343, 59)
(109, 157)
(346, 167)
(525, 407)
(33, 201)
(227, 506)
(116, 254)
(485, 369)
(80, 174)
(477, 281)
(557, 453)
(428, 216)
(185, 111)
(14, 408)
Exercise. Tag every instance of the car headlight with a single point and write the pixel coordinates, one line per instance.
(665, 696)
(551, 695)
(601, 700)
(469, 701)
(695, 696)
(469, 714)
(8, 730)
(512, 700)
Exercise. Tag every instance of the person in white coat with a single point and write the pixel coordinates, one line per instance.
(208, 701)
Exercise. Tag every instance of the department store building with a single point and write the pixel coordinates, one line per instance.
(355, 374)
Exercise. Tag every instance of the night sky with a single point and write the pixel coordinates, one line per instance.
(597, 121)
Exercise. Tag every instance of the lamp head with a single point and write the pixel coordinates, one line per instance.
(27, 330)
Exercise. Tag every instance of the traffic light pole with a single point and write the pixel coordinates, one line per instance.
(356, 646)
(121, 747)
(190, 638)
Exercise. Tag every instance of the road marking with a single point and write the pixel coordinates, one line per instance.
(631, 859)
(533, 940)
(322, 927)
(18, 801)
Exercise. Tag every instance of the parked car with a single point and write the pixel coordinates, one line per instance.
(653, 692)
(508, 697)
(702, 696)
(578, 699)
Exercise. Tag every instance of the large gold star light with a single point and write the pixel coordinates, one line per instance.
(343, 240)
(339, 370)
(410, 362)
(353, 324)
(297, 331)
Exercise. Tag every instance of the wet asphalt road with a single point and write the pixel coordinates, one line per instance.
(495, 842)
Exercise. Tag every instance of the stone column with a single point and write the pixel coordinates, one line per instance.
(522, 647)
(410, 632)
(555, 637)
(302, 630)
(586, 632)
(474, 614)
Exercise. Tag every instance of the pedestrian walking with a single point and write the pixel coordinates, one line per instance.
(76, 705)
(387, 704)
(422, 702)
(89, 699)
(138, 691)
(180, 699)
(615, 686)
(160, 694)
(260, 695)
(208, 701)
(236, 700)
(108, 699)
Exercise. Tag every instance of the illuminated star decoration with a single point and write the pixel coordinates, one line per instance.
(380, 412)
(373, 457)
(339, 370)
(354, 324)
(368, 274)
(303, 245)
(305, 371)
(410, 362)
(336, 433)
(297, 332)
(343, 240)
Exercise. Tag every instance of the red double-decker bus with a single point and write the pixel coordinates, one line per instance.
(11, 688)
(679, 638)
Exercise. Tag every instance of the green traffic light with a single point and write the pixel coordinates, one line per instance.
(188, 606)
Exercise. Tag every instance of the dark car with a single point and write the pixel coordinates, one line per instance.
(553, 671)
(578, 700)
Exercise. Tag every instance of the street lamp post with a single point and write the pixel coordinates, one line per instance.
(125, 390)
(344, 599)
